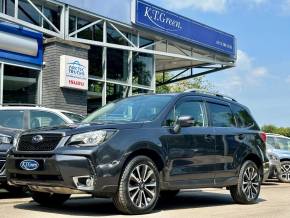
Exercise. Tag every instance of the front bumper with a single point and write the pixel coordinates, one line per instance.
(59, 174)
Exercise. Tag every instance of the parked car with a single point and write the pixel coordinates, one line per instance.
(141, 147)
(15, 119)
(279, 151)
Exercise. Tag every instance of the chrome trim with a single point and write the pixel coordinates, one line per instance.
(82, 187)
(58, 190)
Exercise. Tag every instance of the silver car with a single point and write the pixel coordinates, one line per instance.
(278, 150)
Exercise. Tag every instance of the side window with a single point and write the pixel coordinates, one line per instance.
(12, 119)
(270, 142)
(44, 119)
(221, 115)
(195, 109)
(244, 119)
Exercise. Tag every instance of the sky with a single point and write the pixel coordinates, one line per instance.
(261, 78)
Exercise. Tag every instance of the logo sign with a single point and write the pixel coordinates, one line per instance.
(29, 165)
(37, 139)
(73, 73)
(158, 19)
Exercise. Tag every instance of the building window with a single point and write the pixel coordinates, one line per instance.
(143, 67)
(92, 33)
(20, 85)
(9, 7)
(115, 92)
(117, 64)
(137, 91)
(96, 61)
(95, 95)
(27, 13)
(1, 6)
(54, 16)
(116, 38)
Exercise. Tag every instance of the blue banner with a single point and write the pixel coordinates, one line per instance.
(21, 45)
(169, 23)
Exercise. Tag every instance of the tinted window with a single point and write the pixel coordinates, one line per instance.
(193, 109)
(244, 119)
(221, 115)
(44, 119)
(12, 119)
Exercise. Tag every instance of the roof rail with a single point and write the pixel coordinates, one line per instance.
(19, 105)
(203, 91)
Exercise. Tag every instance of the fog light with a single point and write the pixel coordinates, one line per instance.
(89, 182)
(84, 183)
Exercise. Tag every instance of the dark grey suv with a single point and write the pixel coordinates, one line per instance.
(137, 149)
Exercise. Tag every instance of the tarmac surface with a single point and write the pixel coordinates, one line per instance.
(274, 202)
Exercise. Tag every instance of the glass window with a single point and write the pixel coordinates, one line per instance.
(92, 33)
(9, 7)
(12, 119)
(95, 61)
(117, 64)
(94, 96)
(27, 13)
(221, 115)
(20, 85)
(243, 118)
(137, 91)
(270, 142)
(1, 6)
(115, 38)
(72, 24)
(76, 118)
(54, 16)
(115, 92)
(282, 144)
(143, 67)
(44, 119)
(134, 109)
(194, 109)
(143, 42)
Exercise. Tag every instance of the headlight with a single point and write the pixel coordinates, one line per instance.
(91, 138)
(4, 139)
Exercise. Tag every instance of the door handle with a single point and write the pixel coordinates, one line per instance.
(209, 138)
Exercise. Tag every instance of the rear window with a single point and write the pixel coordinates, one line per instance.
(243, 118)
(221, 115)
(12, 119)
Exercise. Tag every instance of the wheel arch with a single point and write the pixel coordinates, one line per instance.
(256, 159)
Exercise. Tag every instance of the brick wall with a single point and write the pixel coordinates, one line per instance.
(52, 95)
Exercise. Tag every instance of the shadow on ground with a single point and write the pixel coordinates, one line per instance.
(104, 207)
(7, 195)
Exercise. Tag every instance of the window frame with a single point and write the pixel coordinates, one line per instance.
(188, 99)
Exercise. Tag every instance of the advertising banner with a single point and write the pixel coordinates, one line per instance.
(74, 73)
(158, 19)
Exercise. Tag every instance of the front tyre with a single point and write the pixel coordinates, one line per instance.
(248, 188)
(48, 199)
(284, 175)
(139, 187)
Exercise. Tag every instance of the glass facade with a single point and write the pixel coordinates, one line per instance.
(143, 67)
(20, 85)
(96, 61)
(117, 64)
(115, 91)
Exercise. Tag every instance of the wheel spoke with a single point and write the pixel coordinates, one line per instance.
(151, 193)
(138, 173)
(134, 178)
(144, 172)
(134, 195)
(132, 188)
(149, 174)
(145, 198)
(139, 199)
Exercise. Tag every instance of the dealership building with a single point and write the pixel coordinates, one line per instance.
(79, 55)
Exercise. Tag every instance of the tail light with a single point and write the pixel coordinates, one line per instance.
(263, 137)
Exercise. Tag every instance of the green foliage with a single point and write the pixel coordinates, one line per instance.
(285, 131)
(195, 83)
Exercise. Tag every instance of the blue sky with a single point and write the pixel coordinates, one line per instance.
(261, 79)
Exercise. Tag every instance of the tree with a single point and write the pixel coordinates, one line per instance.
(285, 131)
(194, 83)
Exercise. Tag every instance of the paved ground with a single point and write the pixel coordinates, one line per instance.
(274, 202)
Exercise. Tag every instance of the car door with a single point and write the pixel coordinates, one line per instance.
(191, 152)
(228, 139)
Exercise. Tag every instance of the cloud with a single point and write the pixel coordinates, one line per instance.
(246, 74)
(217, 6)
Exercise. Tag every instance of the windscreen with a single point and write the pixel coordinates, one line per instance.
(134, 109)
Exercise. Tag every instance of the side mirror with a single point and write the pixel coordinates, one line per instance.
(183, 122)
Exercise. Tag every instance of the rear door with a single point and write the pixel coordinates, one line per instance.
(191, 152)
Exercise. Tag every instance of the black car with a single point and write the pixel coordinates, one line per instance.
(139, 148)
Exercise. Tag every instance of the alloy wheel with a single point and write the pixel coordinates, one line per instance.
(142, 186)
(251, 183)
(285, 172)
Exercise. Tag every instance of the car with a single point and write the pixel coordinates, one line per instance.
(140, 148)
(15, 119)
(279, 152)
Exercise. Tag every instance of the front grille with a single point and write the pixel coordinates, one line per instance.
(49, 142)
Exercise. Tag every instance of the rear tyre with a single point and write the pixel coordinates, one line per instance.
(139, 187)
(284, 175)
(248, 188)
(48, 199)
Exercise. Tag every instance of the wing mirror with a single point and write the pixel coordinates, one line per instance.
(183, 122)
